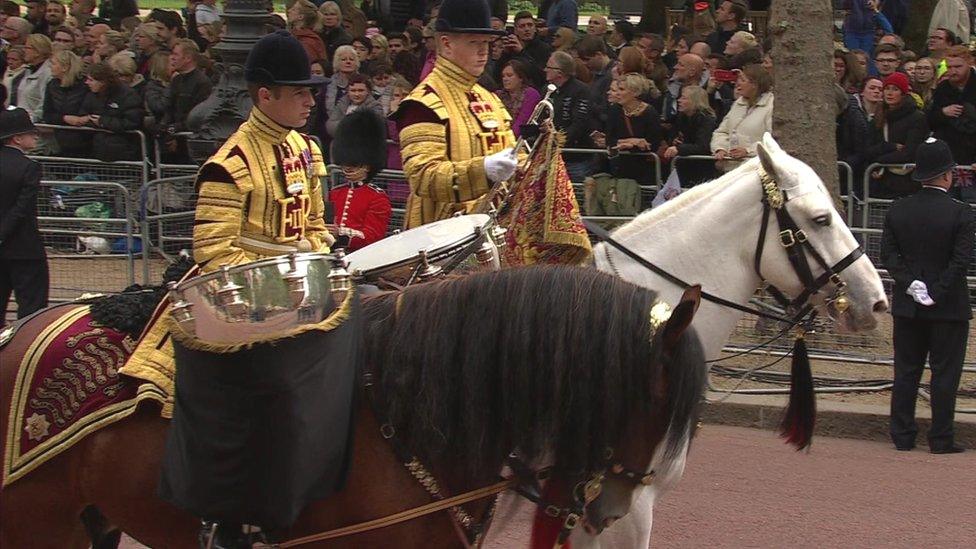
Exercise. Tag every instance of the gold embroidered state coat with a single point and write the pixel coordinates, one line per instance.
(443, 153)
(245, 212)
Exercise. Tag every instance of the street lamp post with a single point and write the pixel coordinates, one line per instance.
(228, 106)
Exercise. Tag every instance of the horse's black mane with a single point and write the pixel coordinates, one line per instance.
(542, 359)
(130, 310)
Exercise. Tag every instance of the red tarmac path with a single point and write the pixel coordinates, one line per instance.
(744, 488)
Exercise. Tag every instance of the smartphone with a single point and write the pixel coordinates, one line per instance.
(722, 75)
(510, 29)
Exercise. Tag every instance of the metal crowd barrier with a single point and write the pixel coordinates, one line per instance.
(90, 231)
(163, 170)
(122, 171)
(167, 207)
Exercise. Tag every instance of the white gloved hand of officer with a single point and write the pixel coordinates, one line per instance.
(920, 293)
(501, 165)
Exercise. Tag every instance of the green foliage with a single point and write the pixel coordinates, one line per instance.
(514, 6)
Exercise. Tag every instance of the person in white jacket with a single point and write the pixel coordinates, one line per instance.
(749, 118)
(31, 88)
(952, 15)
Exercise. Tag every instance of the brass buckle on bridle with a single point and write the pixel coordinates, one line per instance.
(786, 238)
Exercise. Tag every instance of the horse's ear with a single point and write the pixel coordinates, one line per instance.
(765, 153)
(682, 316)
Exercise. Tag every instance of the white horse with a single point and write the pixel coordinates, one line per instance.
(708, 236)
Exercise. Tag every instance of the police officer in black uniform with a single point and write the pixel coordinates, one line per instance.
(23, 263)
(927, 247)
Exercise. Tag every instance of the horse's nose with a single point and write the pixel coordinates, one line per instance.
(880, 306)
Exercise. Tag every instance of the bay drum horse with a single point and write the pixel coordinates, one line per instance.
(570, 363)
(711, 234)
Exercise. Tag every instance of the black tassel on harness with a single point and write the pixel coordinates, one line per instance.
(801, 412)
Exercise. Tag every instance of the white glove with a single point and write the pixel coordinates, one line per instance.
(501, 165)
(920, 293)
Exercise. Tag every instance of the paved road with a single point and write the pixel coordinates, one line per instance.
(744, 488)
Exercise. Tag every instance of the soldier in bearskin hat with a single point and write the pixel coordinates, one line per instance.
(456, 138)
(362, 210)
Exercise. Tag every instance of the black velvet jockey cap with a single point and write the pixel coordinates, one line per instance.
(278, 59)
(465, 17)
(932, 159)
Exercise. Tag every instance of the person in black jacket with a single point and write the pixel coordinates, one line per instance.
(112, 106)
(571, 102)
(527, 47)
(903, 128)
(23, 263)
(62, 103)
(117, 10)
(189, 87)
(952, 114)
(728, 17)
(633, 127)
(691, 135)
(853, 137)
(927, 247)
(332, 33)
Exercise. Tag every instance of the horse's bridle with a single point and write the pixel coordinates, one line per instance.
(583, 493)
(797, 246)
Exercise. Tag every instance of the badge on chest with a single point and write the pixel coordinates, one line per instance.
(295, 208)
(493, 136)
(294, 212)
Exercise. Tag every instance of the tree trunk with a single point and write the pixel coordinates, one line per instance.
(916, 31)
(653, 18)
(803, 118)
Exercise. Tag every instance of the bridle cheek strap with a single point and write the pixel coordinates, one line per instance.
(797, 246)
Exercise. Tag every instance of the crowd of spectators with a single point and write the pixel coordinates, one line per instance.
(704, 89)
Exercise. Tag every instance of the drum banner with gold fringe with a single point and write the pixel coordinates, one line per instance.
(543, 218)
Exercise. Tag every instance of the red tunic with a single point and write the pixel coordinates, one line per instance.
(362, 207)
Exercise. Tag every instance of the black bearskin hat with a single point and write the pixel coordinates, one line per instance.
(360, 140)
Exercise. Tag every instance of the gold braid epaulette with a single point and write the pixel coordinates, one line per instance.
(331, 322)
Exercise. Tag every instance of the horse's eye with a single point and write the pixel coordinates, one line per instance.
(822, 220)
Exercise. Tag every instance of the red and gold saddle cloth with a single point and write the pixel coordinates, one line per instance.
(68, 386)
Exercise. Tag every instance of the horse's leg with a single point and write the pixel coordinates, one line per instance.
(43, 509)
(128, 455)
(100, 531)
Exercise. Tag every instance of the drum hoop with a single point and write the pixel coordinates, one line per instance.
(260, 263)
(433, 255)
